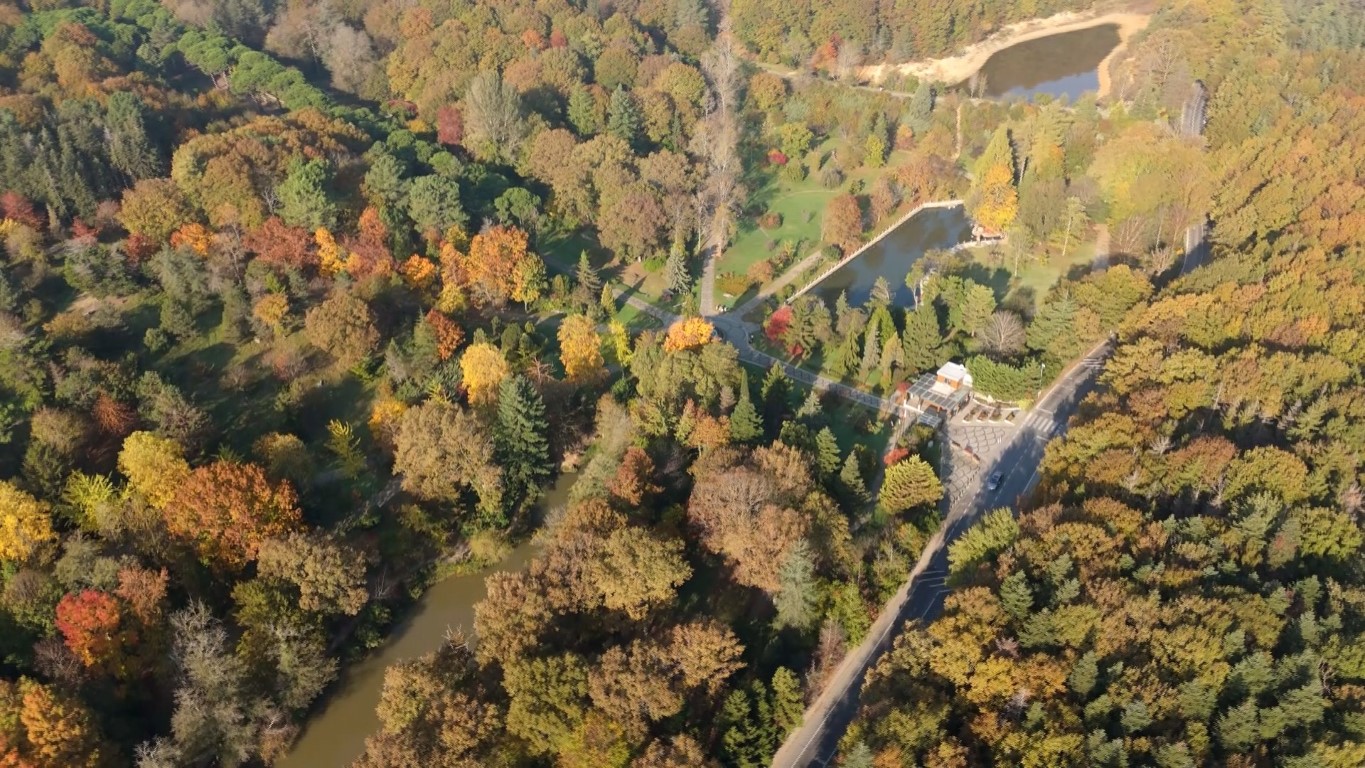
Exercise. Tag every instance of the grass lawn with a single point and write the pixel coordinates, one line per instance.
(1039, 277)
(636, 320)
(1035, 278)
(801, 204)
(562, 249)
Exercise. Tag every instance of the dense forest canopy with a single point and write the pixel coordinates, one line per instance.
(303, 306)
(1186, 589)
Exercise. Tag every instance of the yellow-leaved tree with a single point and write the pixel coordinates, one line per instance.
(483, 368)
(24, 523)
(580, 348)
(687, 334)
(155, 467)
(993, 201)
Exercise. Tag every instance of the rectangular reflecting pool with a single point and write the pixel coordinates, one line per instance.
(893, 255)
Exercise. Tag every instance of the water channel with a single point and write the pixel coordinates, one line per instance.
(335, 735)
(892, 256)
(1065, 64)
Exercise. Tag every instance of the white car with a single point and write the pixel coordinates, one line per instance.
(993, 482)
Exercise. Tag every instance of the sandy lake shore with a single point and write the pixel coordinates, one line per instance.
(955, 69)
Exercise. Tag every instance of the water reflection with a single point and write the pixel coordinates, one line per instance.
(335, 735)
(893, 255)
(1065, 64)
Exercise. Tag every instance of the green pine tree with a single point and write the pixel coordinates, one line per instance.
(871, 352)
(520, 440)
(676, 277)
(583, 112)
(851, 479)
(131, 149)
(788, 701)
(304, 198)
(880, 295)
(587, 283)
(922, 340)
(810, 407)
(623, 117)
(745, 423)
(741, 740)
(1015, 596)
(766, 726)
(797, 596)
(775, 390)
(827, 452)
(860, 756)
(921, 106)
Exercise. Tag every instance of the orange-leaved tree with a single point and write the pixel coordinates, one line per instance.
(495, 265)
(226, 510)
(687, 334)
(447, 335)
(91, 623)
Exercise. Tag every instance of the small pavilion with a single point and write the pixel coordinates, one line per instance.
(937, 396)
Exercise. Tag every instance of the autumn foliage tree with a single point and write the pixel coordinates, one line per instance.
(342, 326)
(446, 333)
(483, 368)
(226, 510)
(43, 727)
(843, 223)
(634, 478)
(994, 201)
(25, 523)
(155, 467)
(580, 348)
(689, 333)
(496, 264)
(91, 623)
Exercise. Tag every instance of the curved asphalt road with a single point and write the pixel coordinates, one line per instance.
(921, 597)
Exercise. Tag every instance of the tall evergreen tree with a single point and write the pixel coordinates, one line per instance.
(922, 340)
(676, 277)
(304, 197)
(520, 442)
(810, 407)
(921, 106)
(741, 739)
(851, 478)
(788, 702)
(131, 149)
(623, 117)
(775, 390)
(745, 424)
(827, 452)
(860, 756)
(871, 352)
(587, 283)
(880, 295)
(796, 600)
(583, 112)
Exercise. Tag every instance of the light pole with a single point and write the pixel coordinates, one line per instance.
(1042, 368)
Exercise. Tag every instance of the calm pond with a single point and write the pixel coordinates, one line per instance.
(892, 256)
(335, 735)
(1065, 64)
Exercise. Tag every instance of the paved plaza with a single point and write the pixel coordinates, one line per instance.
(975, 444)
